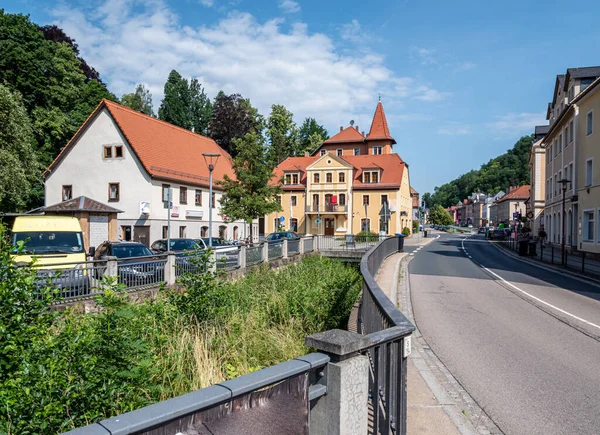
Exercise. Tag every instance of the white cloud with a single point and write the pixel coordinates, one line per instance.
(454, 129)
(289, 6)
(351, 31)
(464, 66)
(424, 56)
(513, 124)
(207, 3)
(304, 71)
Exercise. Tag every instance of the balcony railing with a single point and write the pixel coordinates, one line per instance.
(327, 208)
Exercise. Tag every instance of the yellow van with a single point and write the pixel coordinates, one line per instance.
(56, 244)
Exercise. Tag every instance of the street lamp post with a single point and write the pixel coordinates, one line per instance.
(211, 161)
(563, 182)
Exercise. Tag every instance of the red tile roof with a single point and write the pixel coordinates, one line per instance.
(348, 135)
(413, 191)
(379, 126)
(81, 203)
(166, 151)
(519, 193)
(391, 165)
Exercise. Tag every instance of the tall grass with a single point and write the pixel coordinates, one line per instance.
(84, 368)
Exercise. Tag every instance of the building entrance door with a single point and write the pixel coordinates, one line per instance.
(141, 234)
(329, 226)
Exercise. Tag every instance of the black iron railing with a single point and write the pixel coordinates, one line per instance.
(389, 332)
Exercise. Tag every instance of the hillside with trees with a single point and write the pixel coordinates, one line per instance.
(509, 169)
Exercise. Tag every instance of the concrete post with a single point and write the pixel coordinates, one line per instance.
(212, 262)
(112, 267)
(170, 276)
(265, 254)
(315, 243)
(343, 410)
(301, 245)
(242, 257)
(284, 249)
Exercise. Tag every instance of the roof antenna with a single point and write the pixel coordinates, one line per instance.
(352, 122)
(379, 96)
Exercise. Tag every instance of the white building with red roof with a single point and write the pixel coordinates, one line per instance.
(128, 160)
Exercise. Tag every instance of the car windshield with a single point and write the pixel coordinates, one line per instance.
(49, 242)
(183, 245)
(128, 251)
(216, 241)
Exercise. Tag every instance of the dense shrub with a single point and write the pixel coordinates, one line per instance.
(61, 371)
(364, 236)
(415, 226)
(406, 231)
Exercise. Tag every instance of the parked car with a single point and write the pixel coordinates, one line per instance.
(290, 235)
(482, 230)
(179, 246)
(137, 264)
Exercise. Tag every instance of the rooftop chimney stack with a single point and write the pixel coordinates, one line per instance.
(341, 128)
(356, 128)
(306, 154)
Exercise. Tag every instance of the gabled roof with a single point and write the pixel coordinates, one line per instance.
(413, 191)
(81, 203)
(349, 134)
(560, 81)
(581, 73)
(379, 126)
(390, 165)
(519, 193)
(165, 151)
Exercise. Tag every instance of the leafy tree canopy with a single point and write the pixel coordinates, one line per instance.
(201, 111)
(19, 168)
(140, 100)
(176, 103)
(440, 216)
(310, 136)
(250, 195)
(281, 131)
(233, 118)
(509, 169)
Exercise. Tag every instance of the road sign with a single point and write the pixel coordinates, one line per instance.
(318, 221)
(281, 219)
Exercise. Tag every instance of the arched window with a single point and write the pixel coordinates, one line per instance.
(316, 178)
(204, 232)
(223, 231)
(235, 233)
(329, 177)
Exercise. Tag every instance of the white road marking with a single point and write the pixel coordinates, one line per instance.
(554, 307)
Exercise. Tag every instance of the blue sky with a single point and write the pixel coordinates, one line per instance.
(460, 80)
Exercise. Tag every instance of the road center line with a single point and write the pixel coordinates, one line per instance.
(528, 294)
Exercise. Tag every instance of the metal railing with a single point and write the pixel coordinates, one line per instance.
(389, 333)
(293, 247)
(142, 271)
(227, 259)
(348, 242)
(309, 244)
(72, 279)
(254, 254)
(275, 249)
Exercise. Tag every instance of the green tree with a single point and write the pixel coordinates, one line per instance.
(250, 195)
(200, 108)
(440, 216)
(310, 136)
(140, 100)
(233, 118)
(175, 106)
(19, 168)
(281, 132)
(57, 91)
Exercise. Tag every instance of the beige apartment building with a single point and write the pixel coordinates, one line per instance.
(569, 157)
(537, 173)
(351, 183)
(513, 202)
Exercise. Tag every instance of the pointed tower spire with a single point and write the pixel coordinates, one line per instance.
(379, 126)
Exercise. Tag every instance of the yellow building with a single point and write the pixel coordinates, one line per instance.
(352, 183)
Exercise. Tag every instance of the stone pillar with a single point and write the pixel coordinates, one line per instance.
(301, 245)
(212, 261)
(112, 267)
(170, 276)
(284, 249)
(344, 409)
(265, 253)
(242, 257)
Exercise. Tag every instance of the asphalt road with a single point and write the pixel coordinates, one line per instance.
(527, 349)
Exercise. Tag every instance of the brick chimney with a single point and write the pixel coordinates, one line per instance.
(356, 128)
(341, 128)
(306, 154)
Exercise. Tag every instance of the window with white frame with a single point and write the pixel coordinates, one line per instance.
(340, 152)
(589, 174)
(323, 152)
(377, 150)
(293, 200)
(292, 178)
(342, 177)
(589, 123)
(588, 225)
(357, 151)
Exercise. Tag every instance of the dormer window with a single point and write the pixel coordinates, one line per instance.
(377, 151)
(292, 178)
(370, 177)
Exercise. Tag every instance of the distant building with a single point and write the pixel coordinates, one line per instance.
(415, 204)
(537, 175)
(512, 202)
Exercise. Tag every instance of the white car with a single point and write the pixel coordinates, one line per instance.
(225, 253)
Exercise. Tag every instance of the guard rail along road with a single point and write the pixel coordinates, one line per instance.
(353, 384)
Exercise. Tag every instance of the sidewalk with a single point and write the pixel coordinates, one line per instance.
(428, 411)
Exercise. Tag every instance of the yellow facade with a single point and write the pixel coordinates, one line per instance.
(331, 206)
